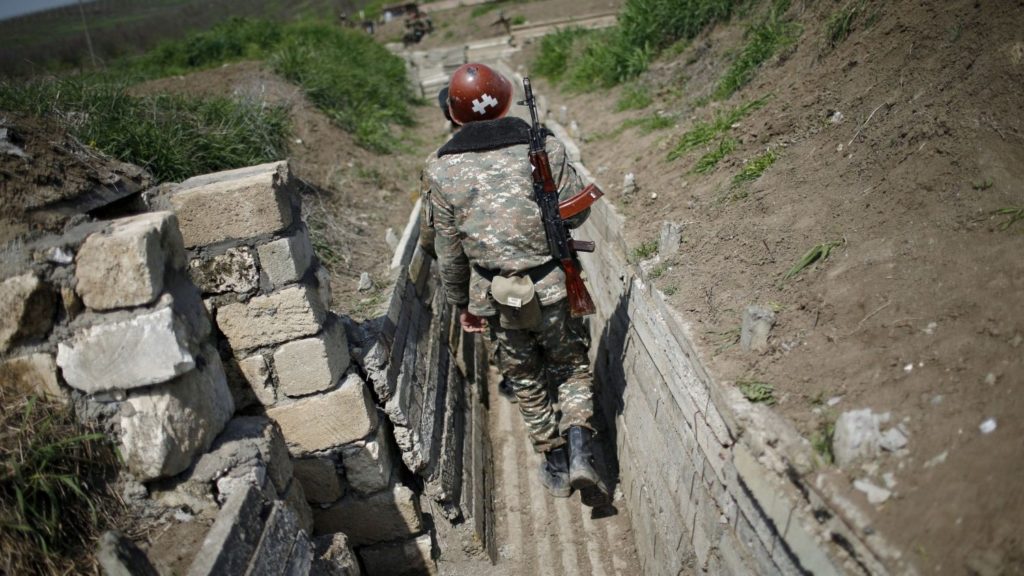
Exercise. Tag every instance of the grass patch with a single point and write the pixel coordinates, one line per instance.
(725, 340)
(765, 39)
(646, 27)
(645, 125)
(172, 137)
(659, 270)
(482, 9)
(555, 51)
(1013, 215)
(53, 497)
(518, 20)
(704, 132)
(633, 98)
(818, 252)
(840, 23)
(753, 169)
(757, 392)
(983, 184)
(707, 162)
(821, 441)
(644, 251)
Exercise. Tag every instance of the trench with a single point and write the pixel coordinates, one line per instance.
(705, 481)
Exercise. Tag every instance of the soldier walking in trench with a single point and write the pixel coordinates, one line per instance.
(494, 260)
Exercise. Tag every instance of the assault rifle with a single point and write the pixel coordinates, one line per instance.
(563, 248)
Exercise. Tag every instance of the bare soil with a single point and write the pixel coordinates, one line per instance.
(901, 143)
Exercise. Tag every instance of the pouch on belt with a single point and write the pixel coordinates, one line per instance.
(517, 302)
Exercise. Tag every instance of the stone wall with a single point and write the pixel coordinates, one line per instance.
(714, 483)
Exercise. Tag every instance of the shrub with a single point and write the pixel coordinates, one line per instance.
(765, 39)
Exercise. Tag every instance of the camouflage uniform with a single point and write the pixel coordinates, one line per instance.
(482, 209)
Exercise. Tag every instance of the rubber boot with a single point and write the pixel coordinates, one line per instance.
(554, 473)
(582, 475)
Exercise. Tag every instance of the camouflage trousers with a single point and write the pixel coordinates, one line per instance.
(547, 363)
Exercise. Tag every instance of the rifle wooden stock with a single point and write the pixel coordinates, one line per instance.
(572, 206)
(580, 302)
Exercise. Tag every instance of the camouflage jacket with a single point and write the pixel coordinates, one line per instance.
(482, 209)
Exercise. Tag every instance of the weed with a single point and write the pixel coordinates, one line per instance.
(633, 97)
(518, 20)
(765, 40)
(555, 51)
(1013, 215)
(757, 392)
(708, 161)
(703, 132)
(983, 184)
(53, 474)
(726, 339)
(648, 124)
(818, 252)
(955, 32)
(644, 251)
(840, 23)
(171, 136)
(658, 271)
(753, 169)
(821, 440)
(670, 290)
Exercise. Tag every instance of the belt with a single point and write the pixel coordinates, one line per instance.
(536, 273)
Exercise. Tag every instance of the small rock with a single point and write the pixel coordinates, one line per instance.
(118, 556)
(574, 130)
(890, 480)
(628, 184)
(391, 239)
(1017, 341)
(671, 236)
(857, 435)
(654, 195)
(757, 323)
(875, 494)
(939, 459)
(988, 426)
(833, 401)
(836, 117)
(892, 440)
(990, 379)
(58, 255)
(930, 328)
(937, 399)
(909, 368)
(563, 114)
(365, 282)
(182, 516)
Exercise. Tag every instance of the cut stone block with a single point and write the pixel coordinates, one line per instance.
(319, 478)
(329, 420)
(296, 498)
(257, 373)
(323, 289)
(334, 556)
(291, 313)
(26, 309)
(237, 204)
(164, 427)
(147, 349)
(285, 261)
(246, 441)
(368, 463)
(387, 515)
(407, 558)
(312, 364)
(300, 561)
(35, 373)
(232, 271)
(125, 266)
(276, 543)
(231, 542)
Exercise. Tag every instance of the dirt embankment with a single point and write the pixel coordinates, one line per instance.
(900, 145)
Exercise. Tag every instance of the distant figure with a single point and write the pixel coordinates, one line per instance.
(504, 22)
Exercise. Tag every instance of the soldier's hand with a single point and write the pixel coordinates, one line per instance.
(471, 323)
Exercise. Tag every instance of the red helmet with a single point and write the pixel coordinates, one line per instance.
(477, 92)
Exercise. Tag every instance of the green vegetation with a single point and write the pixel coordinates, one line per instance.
(757, 392)
(633, 97)
(53, 498)
(725, 339)
(556, 49)
(821, 440)
(840, 24)
(645, 124)
(983, 184)
(1013, 215)
(704, 132)
(818, 252)
(605, 58)
(765, 39)
(481, 9)
(644, 251)
(659, 270)
(172, 137)
(708, 161)
(518, 20)
(753, 169)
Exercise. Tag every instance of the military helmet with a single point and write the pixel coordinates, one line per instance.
(477, 92)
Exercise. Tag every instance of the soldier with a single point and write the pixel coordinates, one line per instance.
(497, 269)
